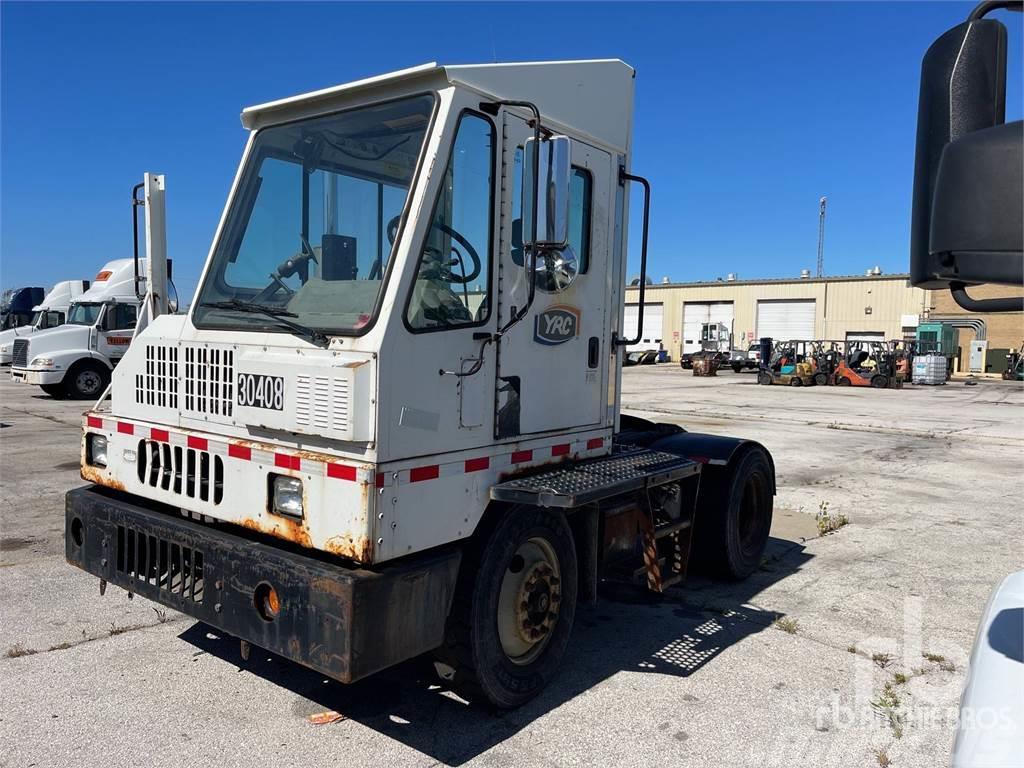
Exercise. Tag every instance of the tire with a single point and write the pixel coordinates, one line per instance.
(842, 381)
(737, 368)
(56, 391)
(821, 379)
(796, 381)
(734, 516)
(879, 382)
(764, 378)
(86, 380)
(491, 661)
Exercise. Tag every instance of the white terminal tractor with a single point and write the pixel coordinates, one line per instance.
(390, 424)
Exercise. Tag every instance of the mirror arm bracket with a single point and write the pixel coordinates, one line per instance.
(137, 203)
(623, 178)
(1008, 304)
(491, 108)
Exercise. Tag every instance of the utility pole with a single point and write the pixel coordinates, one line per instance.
(821, 237)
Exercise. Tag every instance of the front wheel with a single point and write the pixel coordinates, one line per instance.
(879, 382)
(764, 378)
(820, 379)
(736, 368)
(86, 380)
(796, 381)
(513, 609)
(842, 381)
(56, 391)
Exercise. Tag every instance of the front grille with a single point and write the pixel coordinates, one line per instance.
(158, 385)
(19, 354)
(171, 567)
(322, 402)
(209, 380)
(180, 470)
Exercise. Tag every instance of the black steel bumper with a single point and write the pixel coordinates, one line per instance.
(344, 622)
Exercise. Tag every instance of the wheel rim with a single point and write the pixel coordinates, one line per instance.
(529, 601)
(88, 382)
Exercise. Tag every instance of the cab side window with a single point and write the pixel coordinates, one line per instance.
(453, 275)
(123, 317)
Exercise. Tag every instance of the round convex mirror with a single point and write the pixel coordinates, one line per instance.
(556, 269)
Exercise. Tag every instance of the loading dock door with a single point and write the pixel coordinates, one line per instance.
(697, 314)
(653, 325)
(786, 319)
(865, 336)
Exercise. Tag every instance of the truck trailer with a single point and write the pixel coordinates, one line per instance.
(51, 312)
(390, 423)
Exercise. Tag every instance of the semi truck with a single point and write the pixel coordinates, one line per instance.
(16, 306)
(75, 359)
(390, 424)
(49, 313)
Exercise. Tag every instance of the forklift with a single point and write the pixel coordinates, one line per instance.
(873, 366)
(786, 364)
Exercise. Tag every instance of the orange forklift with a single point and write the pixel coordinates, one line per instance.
(868, 365)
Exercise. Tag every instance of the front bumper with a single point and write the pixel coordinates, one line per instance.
(343, 622)
(39, 378)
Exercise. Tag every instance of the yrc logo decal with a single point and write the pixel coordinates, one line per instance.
(557, 324)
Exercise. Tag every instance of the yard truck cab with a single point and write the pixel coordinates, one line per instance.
(390, 423)
(75, 359)
(49, 313)
(16, 306)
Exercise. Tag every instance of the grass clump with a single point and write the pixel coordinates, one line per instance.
(828, 521)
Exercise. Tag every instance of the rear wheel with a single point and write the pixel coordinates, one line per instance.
(796, 381)
(820, 379)
(736, 368)
(734, 516)
(764, 378)
(879, 382)
(86, 380)
(842, 381)
(513, 609)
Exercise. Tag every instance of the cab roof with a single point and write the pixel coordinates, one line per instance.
(592, 96)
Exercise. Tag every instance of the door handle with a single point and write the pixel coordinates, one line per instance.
(593, 352)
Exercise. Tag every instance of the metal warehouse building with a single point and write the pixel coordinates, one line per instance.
(854, 307)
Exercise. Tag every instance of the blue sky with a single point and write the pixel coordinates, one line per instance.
(746, 114)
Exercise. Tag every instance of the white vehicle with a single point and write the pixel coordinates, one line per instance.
(49, 313)
(390, 420)
(75, 359)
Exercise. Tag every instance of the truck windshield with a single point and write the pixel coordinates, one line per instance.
(314, 219)
(84, 314)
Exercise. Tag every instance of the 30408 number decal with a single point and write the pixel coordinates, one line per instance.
(259, 391)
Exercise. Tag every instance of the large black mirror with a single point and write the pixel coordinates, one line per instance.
(966, 227)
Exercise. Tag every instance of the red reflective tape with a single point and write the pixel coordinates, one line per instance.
(700, 459)
(125, 429)
(240, 452)
(595, 442)
(475, 465)
(341, 471)
(94, 421)
(378, 481)
(518, 457)
(424, 473)
(160, 434)
(560, 450)
(199, 443)
(285, 461)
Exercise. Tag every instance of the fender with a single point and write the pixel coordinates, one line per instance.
(710, 450)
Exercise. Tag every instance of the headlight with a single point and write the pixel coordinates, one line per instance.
(5, 348)
(42, 362)
(96, 450)
(287, 496)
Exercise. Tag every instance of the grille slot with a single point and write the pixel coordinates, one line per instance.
(209, 380)
(19, 353)
(170, 567)
(322, 402)
(182, 471)
(158, 385)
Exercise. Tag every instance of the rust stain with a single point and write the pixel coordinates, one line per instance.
(358, 549)
(354, 364)
(98, 476)
(282, 528)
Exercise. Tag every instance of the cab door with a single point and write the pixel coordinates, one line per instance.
(116, 329)
(553, 365)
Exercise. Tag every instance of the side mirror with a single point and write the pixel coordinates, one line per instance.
(550, 188)
(966, 222)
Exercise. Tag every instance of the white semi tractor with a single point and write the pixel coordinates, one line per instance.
(390, 423)
(51, 312)
(76, 358)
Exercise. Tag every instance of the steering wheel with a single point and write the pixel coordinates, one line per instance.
(450, 276)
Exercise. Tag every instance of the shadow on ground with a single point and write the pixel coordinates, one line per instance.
(675, 634)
